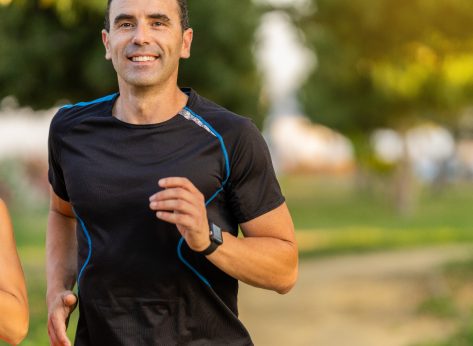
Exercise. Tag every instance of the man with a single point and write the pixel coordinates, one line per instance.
(148, 189)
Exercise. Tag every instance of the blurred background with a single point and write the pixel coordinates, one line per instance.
(367, 107)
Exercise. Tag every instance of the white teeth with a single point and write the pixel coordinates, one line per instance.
(143, 58)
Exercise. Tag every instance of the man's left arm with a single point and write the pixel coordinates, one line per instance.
(266, 257)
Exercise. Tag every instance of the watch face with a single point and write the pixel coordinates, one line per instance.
(216, 234)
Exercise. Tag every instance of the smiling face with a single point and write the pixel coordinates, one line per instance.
(146, 41)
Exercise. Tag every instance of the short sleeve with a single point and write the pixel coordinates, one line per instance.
(252, 188)
(55, 173)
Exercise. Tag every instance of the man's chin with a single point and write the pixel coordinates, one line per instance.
(142, 82)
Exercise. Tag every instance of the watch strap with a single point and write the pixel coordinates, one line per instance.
(210, 249)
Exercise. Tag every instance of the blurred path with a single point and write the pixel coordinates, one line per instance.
(356, 300)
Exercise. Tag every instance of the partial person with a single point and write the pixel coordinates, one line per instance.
(13, 299)
(149, 187)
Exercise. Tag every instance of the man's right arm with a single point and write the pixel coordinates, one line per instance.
(61, 268)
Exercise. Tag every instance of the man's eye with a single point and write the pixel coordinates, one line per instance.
(157, 23)
(126, 25)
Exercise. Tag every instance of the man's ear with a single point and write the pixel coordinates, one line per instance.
(106, 43)
(187, 43)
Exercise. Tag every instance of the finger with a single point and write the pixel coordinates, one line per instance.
(174, 193)
(176, 205)
(58, 326)
(176, 218)
(178, 193)
(53, 336)
(59, 329)
(53, 339)
(177, 182)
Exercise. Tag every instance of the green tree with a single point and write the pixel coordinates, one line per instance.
(47, 56)
(51, 50)
(222, 66)
(389, 62)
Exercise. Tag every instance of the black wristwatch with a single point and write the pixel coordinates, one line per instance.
(216, 239)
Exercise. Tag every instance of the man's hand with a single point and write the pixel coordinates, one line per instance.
(58, 318)
(267, 255)
(182, 204)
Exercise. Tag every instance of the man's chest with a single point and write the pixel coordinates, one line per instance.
(110, 170)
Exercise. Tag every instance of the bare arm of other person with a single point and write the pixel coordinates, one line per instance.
(61, 264)
(13, 298)
(266, 257)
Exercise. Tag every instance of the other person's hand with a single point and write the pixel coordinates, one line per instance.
(58, 318)
(182, 204)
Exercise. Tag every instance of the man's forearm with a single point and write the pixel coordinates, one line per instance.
(61, 254)
(258, 261)
(267, 257)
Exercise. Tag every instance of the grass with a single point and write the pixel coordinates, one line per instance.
(464, 337)
(337, 204)
(438, 306)
(331, 216)
(459, 276)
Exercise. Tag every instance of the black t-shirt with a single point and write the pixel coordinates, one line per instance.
(139, 283)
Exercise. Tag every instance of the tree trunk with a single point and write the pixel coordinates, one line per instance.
(404, 184)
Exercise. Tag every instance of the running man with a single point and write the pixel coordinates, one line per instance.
(148, 189)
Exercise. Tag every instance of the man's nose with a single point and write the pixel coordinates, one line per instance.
(141, 35)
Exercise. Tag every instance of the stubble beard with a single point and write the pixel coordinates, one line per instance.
(147, 78)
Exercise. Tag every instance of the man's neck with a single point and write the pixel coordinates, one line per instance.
(148, 105)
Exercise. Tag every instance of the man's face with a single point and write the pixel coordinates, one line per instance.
(146, 41)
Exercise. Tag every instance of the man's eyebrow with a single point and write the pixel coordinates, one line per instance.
(122, 17)
(160, 16)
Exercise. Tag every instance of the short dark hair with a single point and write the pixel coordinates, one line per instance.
(183, 12)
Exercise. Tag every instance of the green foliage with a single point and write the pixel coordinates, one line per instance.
(441, 307)
(460, 270)
(222, 66)
(52, 50)
(389, 62)
(459, 276)
(47, 57)
(463, 337)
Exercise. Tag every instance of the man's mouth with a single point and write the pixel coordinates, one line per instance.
(144, 58)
